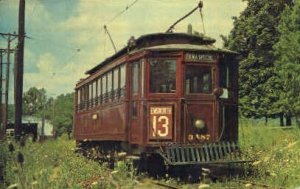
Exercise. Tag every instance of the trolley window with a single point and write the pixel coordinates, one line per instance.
(116, 79)
(135, 78)
(99, 87)
(94, 89)
(109, 82)
(162, 75)
(198, 79)
(104, 89)
(90, 91)
(78, 97)
(123, 77)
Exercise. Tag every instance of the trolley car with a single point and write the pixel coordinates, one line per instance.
(167, 98)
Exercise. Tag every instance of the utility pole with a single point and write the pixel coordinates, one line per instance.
(5, 77)
(1, 105)
(19, 70)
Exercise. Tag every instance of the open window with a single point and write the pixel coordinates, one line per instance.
(229, 77)
(198, 79)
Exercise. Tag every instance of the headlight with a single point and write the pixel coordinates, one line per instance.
(199, 124)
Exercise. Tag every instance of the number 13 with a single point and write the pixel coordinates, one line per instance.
(165, 125)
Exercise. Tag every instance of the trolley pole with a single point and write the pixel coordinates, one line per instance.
(19, 70)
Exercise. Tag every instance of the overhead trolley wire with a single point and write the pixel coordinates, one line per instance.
(32, 13)
(102, 28)
(119, 14)
(110, 21)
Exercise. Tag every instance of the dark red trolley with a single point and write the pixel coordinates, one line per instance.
(168, 96)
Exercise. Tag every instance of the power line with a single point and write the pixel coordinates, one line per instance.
(119, 14)
(53, 43)
(110, 21)
(32, 13)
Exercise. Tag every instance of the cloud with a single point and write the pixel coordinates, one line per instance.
(55, 79)
(65, 45)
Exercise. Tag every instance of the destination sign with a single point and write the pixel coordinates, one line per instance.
(160, 110)
(198, 57)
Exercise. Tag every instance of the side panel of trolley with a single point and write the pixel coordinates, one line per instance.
(107, 123)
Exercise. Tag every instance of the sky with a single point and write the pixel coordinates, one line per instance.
(67, 36)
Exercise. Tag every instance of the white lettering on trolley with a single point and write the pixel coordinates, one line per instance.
(161, 110)
(161, 121)
(199, 57)
(165, 125)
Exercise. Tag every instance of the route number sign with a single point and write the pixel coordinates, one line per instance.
(161, 122)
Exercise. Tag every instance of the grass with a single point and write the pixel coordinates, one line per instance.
(276, 152)
(53, 164)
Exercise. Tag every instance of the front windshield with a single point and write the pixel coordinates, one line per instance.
(198, 79)
(162, 75)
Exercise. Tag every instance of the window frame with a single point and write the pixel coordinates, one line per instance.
(178, 61)
(135, 95)
(213, 79)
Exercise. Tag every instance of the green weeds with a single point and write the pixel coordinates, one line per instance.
(54, 164)
(276, 152)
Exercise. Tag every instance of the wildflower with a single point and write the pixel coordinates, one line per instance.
(248, 185)
(266, 159)
(13, 186)
(290, 145)
(14, 169)
(201, 186)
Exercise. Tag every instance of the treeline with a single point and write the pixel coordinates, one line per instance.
(267, 36)
(59, 111)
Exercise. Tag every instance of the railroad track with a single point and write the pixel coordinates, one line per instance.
(252, 183)
(249, 183)
(165, 185)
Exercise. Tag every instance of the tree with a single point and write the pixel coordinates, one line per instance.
(287, 52)
(11, 112)
(59, 110)
(253, 36)
(34, 101)
(62, 113)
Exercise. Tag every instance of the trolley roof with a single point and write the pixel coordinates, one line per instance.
(164, 42)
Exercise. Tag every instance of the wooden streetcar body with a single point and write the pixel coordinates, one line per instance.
(161, 90)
